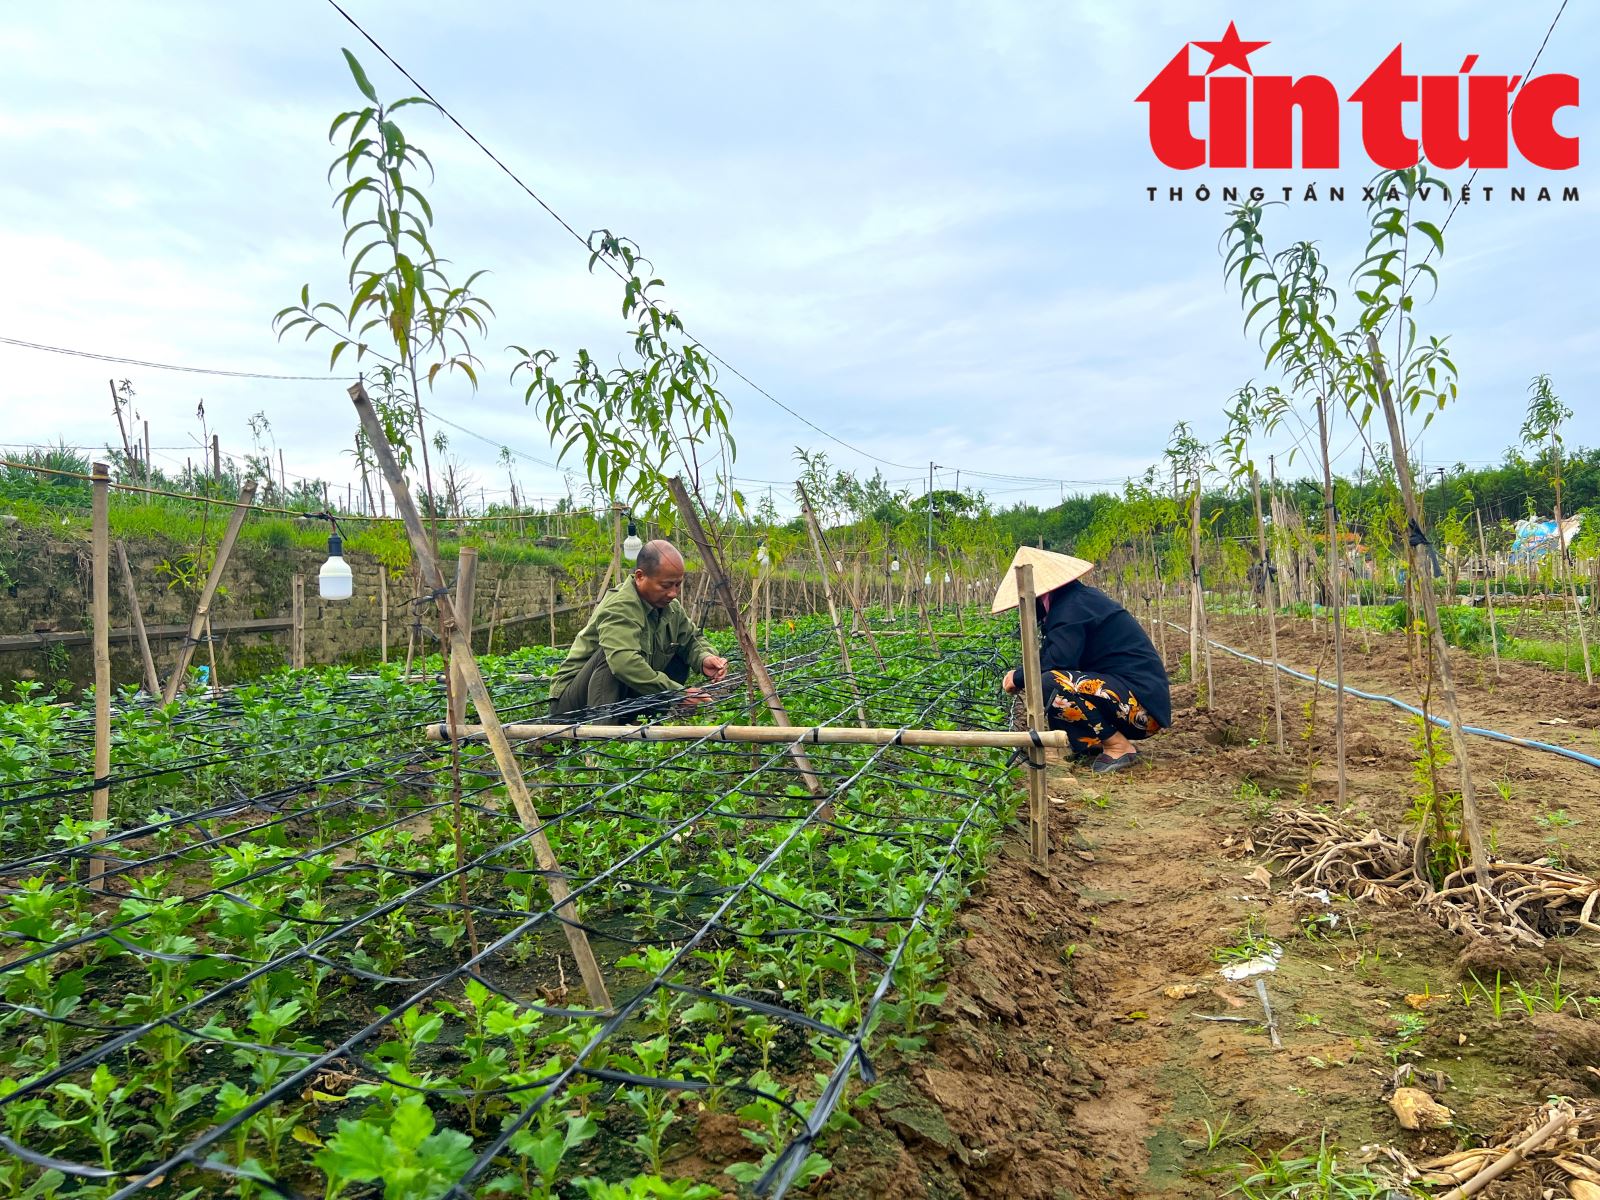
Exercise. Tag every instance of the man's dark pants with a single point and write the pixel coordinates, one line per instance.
(595, 686)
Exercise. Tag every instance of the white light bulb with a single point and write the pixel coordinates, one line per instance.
(631, 545)
(334, 581)
(895, 565)
(762, 556)
(927, 579)
(947, 576)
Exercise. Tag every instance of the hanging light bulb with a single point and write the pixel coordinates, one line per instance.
(762, 556)
(334, 581)
(927, 579)
(631, 545)
(895, 566)
(838, 564)
(947, 576)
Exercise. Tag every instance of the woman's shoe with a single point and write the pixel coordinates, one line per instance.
(1105, 764)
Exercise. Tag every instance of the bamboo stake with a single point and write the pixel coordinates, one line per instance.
(827, 590)
(1556, 1124)
(772, 735)
(383, 606)
(465, 603)
(202, 610)
(1268, 594)
(297, 619)
(494, 617)
(505, 759)
(1488, 595)
(152, 681)
(1033, 694)
(100, 602)
(747, 645)
(211, 658)
(552, 582)
(1430, 608)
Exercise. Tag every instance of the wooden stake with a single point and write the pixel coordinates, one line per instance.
(505, 759)
(216, 458)
(197, 623)
(1430, 608)
(1033, 694)
(494, 617)
(383, 607)
(297, 617)
(747, 644)
(552, 581)
(152, 681)
(466, 596)
(100, 608)
(825, 567)
(1488, 596)
(771, 735)
(211, 658)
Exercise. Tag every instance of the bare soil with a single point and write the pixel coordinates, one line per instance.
(1074, 1061)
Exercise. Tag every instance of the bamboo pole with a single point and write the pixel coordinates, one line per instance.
(494, 617)
(152, 681)
(100, 603)
(1269, 594)
(552, 582)
(510, 771)
(297, 619)
(383, 606)
(466, 596)
(211, 658)
(202, 610)
(773, 735)
(1033, 694)
(820, 551)
(747, 645)
(1402, 467)
(1488, 595)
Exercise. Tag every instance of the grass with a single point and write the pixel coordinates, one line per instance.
(1286, 1176)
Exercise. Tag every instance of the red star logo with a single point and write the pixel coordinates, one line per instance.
(1230, 51)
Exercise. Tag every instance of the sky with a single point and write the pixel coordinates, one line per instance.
(925, 228)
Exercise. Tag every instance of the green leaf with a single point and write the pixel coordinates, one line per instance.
(360, 77)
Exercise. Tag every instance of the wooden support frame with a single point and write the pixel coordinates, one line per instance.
(1033, 695)
(820, 549)
(510, 771)
(100, 605)
(747, 645)
(152, 680)
(202, 610)
(772, 735)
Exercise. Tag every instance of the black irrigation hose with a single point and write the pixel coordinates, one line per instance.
(888, 689)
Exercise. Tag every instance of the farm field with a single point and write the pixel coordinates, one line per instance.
(294, 962)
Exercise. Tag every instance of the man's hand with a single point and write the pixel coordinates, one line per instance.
(694, 697)
(1009, 682)
(714, 667)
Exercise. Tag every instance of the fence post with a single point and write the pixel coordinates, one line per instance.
(465, 603)
(297, 617)
(101, 610)
(1033, 694)
(383, 608)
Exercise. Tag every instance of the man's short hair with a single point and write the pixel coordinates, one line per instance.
(653, 553)
(649, 558)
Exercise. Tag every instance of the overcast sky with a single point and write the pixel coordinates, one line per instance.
(923, 226)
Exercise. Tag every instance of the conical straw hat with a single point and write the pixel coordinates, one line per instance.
(1050, 571)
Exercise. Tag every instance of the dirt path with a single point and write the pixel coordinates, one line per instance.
(1074, 1060)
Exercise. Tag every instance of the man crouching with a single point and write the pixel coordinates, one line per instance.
(639, 642)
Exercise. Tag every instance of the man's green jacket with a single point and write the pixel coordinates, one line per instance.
(638, 639)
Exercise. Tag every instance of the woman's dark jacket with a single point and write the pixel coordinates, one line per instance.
(1086, 631)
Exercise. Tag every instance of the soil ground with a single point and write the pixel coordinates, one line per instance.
(1074, 1060)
